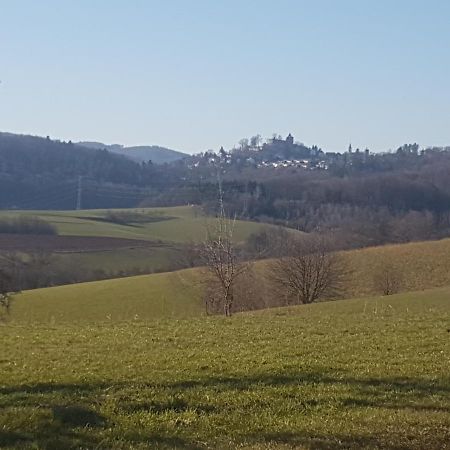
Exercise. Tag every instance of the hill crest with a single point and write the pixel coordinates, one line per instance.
(139, 153)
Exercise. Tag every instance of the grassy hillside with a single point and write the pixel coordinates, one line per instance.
(148, 259)
(350, 374)
(420, 265)
(175, 224)
(174, 295)
(424, 265)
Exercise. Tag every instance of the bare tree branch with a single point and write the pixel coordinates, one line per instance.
(219, 255)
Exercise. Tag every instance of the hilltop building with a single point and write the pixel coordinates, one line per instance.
(280, 141)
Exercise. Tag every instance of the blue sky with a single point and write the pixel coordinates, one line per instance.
(197, 74)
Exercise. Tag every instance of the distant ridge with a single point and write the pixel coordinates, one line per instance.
(41, 173)
(154, 153)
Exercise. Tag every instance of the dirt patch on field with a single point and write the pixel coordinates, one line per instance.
(27, 243)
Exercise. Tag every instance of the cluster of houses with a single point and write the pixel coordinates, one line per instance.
(300, 163)
(279, 153)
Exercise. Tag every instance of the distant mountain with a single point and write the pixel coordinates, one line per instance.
(154, 153)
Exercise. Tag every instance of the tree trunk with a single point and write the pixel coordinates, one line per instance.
(228, 304)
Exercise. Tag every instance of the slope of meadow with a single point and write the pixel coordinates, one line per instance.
(351, 374)
(423, 265)
(170, 295)
(419, 265)
(173, 224)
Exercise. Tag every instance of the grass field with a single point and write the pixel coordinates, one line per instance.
(167, 230)
(165, 295)
(420, 265)
(349, 374)
(175, 224)
(178, 294)
(155, 258)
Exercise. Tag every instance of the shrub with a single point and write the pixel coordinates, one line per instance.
(132, 217)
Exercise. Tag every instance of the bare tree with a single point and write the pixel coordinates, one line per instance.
(255, 141)
(310, 272)
(243, 144)
(219, 254)
(6, 288)
(387, 279)
(11, 280)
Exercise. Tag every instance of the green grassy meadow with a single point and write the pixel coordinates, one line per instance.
(178, 224)
(363, 373)
(149, 259)
(145, 297)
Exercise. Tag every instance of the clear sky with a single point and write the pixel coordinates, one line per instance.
(197, 74)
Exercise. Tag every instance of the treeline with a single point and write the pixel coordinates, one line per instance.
(362, 208)
(39, 269)
(26, 225)
(409, 200)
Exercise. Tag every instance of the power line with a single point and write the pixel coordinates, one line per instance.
(79, 192)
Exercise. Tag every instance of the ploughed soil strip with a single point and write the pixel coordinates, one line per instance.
(29, 242)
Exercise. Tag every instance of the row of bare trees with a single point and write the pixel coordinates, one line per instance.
(298, 269)
(306, 269)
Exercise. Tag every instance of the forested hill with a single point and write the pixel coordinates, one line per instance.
(22, 156)
(142, 153)
(42, 173)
